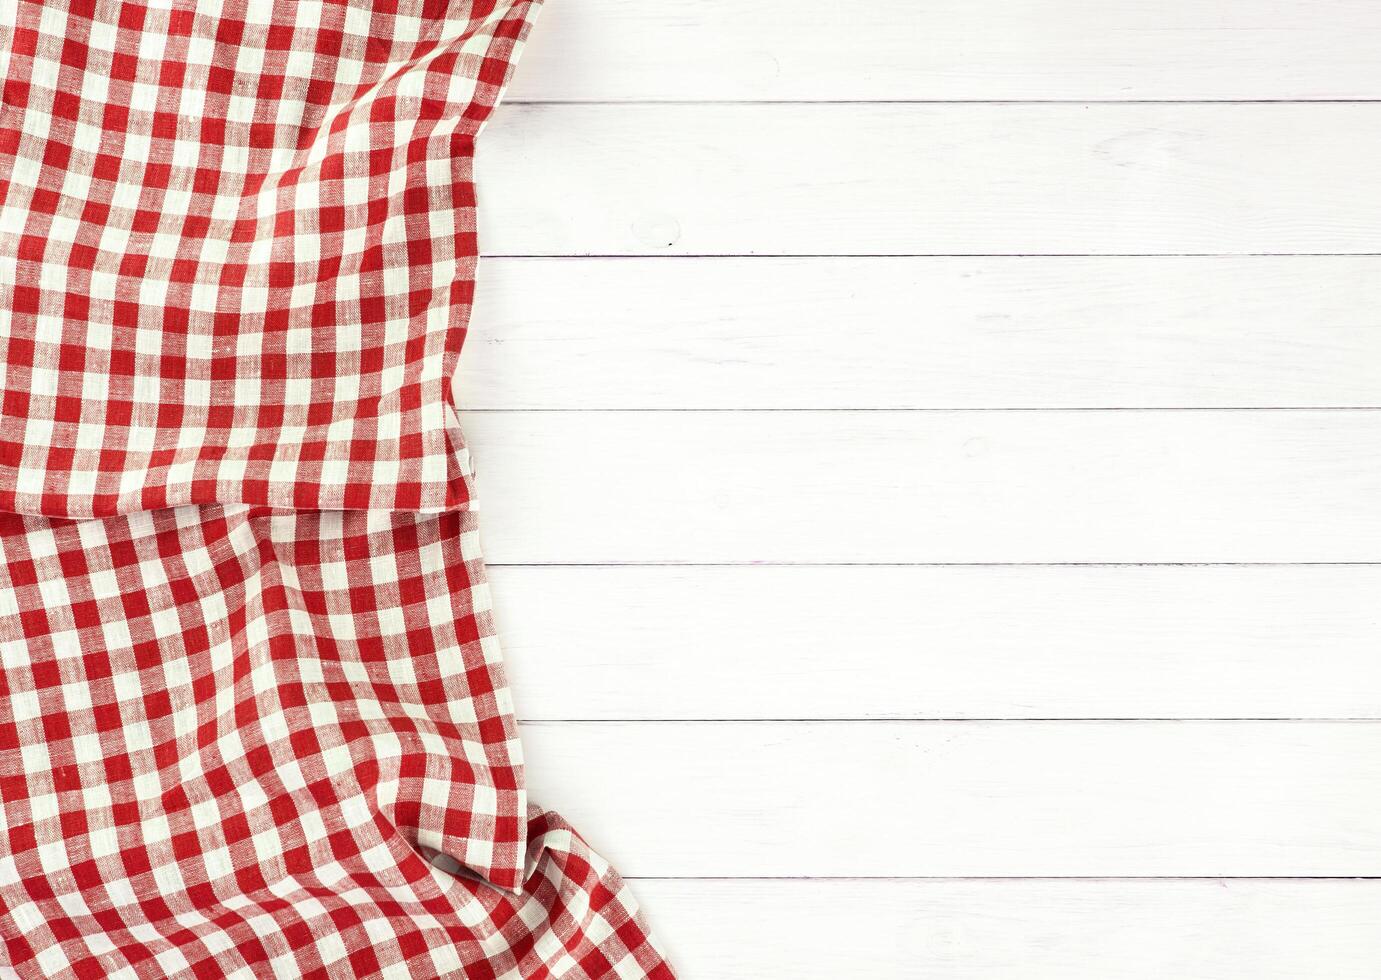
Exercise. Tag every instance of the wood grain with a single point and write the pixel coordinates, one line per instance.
(1224, 331)
(960, 799)
(1158, 257)
(930, 179)
(612, 50)
(925, 642)
(1019, 930)
(921, 487)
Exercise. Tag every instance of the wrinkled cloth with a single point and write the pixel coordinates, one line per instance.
(253, 716)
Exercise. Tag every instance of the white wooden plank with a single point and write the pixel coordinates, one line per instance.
(952, 49)
(928, 179)
(927, 642)
(910, 487)
(959, 799)
(1224, 331)
(1018, 930)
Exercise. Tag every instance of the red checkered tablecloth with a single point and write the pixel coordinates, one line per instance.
(253, 719)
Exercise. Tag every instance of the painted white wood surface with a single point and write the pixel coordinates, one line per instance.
(1021, 930)
(649, 560)
(962, 799)
(1236, 641)
(1222, 331)
(613, 50)
(930, 179)
(1138, 486)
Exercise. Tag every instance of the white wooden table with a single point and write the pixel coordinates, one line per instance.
(931, 461)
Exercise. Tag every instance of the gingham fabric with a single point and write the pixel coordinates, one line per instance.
(253, 720)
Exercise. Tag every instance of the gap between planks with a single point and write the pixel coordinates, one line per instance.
(957, 720)
(557, 103)
(1088, 879)
(930, 564)
(684, 256)
(934, 409)
(962, 719)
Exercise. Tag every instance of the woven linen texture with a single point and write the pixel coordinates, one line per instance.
(253, 719)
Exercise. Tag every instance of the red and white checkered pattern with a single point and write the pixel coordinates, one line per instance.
(239, 249)
(253, 720)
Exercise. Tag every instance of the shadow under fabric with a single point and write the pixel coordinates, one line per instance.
(253, 719)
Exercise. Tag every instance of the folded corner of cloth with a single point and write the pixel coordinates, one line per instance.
(253, 714)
